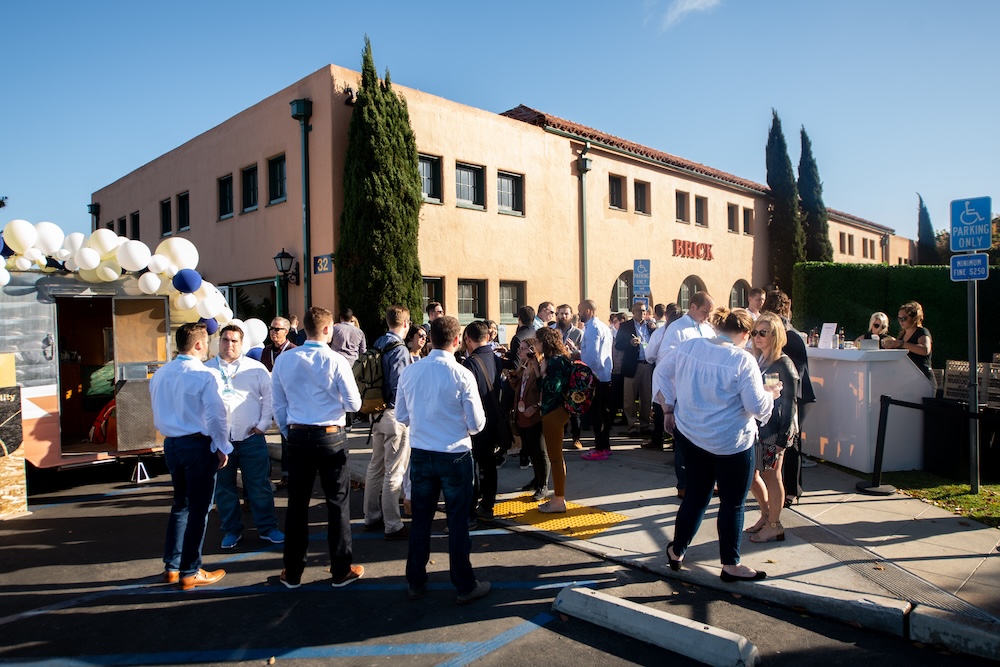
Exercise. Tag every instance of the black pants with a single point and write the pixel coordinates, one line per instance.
(600, 416)
(485, 477)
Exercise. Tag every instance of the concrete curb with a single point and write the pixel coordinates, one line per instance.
(707, 644)
(955, 632)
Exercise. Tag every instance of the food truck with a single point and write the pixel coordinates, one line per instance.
(83, 355)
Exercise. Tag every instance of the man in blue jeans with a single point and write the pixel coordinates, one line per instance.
(439, 400)
(312, 390)
(246, 391)
(189, 412)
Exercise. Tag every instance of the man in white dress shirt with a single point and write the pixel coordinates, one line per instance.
(312, 390)
(246, 391)
(189, 412)
(439, 400)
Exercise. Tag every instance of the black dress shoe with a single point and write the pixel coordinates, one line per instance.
(652, 446)
(675, 563)
(732, 578)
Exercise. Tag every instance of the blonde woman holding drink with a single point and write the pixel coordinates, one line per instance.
(777, 433)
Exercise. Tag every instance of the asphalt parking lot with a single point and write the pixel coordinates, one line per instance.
(80, 584)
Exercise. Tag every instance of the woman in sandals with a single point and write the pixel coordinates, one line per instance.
(777, 433)
(712, 394)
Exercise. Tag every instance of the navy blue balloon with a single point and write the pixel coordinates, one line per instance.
(254, 353)
(187, 281)
(6, 251)
(211, 325)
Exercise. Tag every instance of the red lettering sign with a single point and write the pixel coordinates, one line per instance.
(692, 250)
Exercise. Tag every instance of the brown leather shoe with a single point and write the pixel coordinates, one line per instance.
(201, 578)
(171, 576)
(357, 571)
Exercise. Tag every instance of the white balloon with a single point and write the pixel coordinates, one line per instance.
(34, 255)
(19, 235)
(131, 287)
(179, 251)
(71, 266)
(62, 254)
(90, 275)
(50, 237)
(187, 301)
(133, 255)
(109, 270)
(224, 317)
(158, 263)
(4, 277)
(87, 259)
(23, 263)
(74, 241)
(256, 332)
(170, 271)
(206, 290)
(104, 241)
(149, 283)
(211, 306)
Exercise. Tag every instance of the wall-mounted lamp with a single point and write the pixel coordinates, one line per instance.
(352, 96)
(287, 266)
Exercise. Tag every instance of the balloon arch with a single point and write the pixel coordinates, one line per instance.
(106, 257)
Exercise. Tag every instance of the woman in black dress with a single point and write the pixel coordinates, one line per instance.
(914, 338)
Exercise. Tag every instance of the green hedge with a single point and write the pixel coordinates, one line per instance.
(849, 293)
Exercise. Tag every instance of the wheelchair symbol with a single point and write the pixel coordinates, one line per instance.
(970, 216)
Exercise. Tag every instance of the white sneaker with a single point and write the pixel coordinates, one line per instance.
(808, 463)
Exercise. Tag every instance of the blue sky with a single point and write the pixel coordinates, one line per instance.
(897, 97)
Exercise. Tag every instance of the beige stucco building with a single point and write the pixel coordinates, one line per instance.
(520, 207)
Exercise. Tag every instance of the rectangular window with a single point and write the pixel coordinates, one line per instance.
(166, 224)
(471, 300)
(621, 297)
(843, 243)
(250, 189)
(642, 197)
(470, 185)
(733, 213)
(183, 212)
(431, 290)
(276, 180)
(850, 244)
(121, 226)
(871, 249)
(135, 226)
(511, 299)
(510, 192)
(748, 221)
(430, 178)
(683, 214)
(701, 211)
(616, 195)
(864, 248)
(226, 197)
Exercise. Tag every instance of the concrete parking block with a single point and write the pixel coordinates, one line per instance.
(707, 644)
(961, 634)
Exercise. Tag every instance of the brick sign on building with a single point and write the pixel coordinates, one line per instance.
(692, 250)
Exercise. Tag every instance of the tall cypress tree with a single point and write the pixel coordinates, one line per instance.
(814, 220)
(926, 243)
(377, 256)
(786, 242)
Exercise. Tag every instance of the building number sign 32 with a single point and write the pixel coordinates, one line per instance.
(323, 264)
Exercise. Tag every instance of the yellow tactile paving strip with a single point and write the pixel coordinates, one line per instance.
(579, 521)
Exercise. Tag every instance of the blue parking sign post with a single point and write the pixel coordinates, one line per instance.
(971, 230)
(640, 277)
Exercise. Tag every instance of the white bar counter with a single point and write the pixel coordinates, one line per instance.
(842, 425)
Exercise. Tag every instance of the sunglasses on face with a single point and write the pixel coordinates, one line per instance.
(903, 318)
(277, 328)
(760, 332)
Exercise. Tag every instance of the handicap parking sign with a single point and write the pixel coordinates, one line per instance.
(971, 227)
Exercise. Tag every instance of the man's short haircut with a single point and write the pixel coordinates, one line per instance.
(659, 310)
(396, 315)
(478, 331)
(777, 302)
(282, 322)
(444, 330)
(525, 315)
(232, 327)
(315, 319)
(565, 305)
(701, 298)
(188, 334)
(756, 291)
(432, 306)
(543, 305)
(346, 314)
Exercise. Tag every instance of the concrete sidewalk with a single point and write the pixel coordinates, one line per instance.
(892, 563)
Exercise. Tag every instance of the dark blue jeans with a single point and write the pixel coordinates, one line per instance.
(193, 466)
(251, 457)
(312, 452)
(431, 474)
(733, 473)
